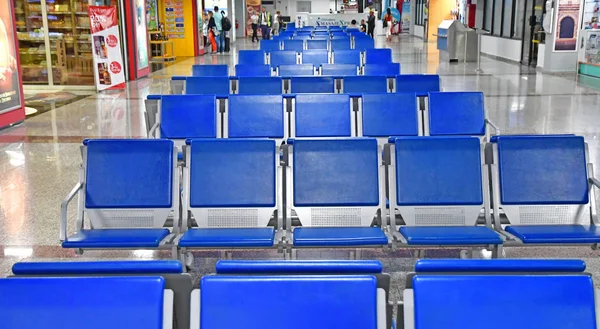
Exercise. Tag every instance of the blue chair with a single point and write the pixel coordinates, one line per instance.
(128, 191)
(422, 84)
(336, 192)
(498, 265)
(317, 44)
(339, 69)
(299, 267)
(365, 84)
(304, 32)
(90, 302)
(344, 301)
(319, 38)
(296, 70)
(232, 191)
(363, 44)
(339, 33)
(120, 267)
(252, 70)
(389, 70)
(255, 116)
(187, 116)
(283, 57)
(439, 188)
(305, 85)
(294, 45)
(302, 37)
(324, 33)
(347, 57)
(260, 86)
(543, 186)
(340, 44)
(378, 56)
(335, 28)
(455, 113)
(322, 115)
(210, 70)
(320, 28)
(252, 57)
(207, 86)
(536, 299)
(270, 45)
(385, 115)
(315, 57)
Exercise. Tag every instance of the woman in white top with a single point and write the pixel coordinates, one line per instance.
(254, 20)
(276, 23)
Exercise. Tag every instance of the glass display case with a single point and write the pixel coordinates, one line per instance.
(589, 52)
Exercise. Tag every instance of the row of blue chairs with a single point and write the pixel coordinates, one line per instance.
(321, 35)
(421, 84)
(314, 56)
(233, 191)
(179, 117)
(333, 43)
(324, 69)
(553, 294)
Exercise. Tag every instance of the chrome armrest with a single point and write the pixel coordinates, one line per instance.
(494, 126)
(64, 208)
(153, 130)
(595, 182)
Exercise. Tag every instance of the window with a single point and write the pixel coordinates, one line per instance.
(488, 15)
(504, 18)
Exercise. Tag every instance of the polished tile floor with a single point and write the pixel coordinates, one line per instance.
(39, 159)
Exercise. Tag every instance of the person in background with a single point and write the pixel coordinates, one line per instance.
(211, 32)
(205, 29)
(371, 24)
(363, 26)
(276, 23)
(265, 23)
(219, 30)
(254, 20)
(353, 24)
(387, 24)
(225, 33)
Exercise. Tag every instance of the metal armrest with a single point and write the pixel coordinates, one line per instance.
(595, 182)
(63, 210)
(153, 129)
(488, 122)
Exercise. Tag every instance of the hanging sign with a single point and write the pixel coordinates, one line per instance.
(106, 45)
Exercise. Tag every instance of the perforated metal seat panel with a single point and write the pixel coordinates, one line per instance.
(228, 237)
(385, 115)
(449, 235)
(555, 233)
(256, 116)
(327, 302)
(86, 302)
(117, 238)
(214, 70)
(188, 116)
(207, 85)
(456, 113)
(525, 301)
(339, 236)
(260, 86)
(422, 84)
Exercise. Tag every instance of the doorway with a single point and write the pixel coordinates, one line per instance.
(533, 33)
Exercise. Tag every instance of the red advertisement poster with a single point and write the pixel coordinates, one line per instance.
(252, 9)
(11, 97)
(106, 45)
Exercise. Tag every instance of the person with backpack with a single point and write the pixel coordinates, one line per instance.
(219, 30)
(226, 24)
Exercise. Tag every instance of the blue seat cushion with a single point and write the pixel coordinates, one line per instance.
(299, 267)
(117, 238)
(555, 233)
(339, 236)
(449, 235)
(228, 237)
(102, 267)
(499, 265)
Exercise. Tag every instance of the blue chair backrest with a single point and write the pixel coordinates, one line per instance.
(317, 44)
(339, 33)
(321, 32)
(363, 43)
(295, 45)
(252, 116)
(285, 37)
(391, 69)
(366, 84)
(422, 84)
(260, 86)
(335, 172)
(240, 173)
(352, 30)
(296, 70)
(385, 115)
(438, 171)
(346, 57)
(253, 57)
(304, 31)
(312, 85)
(252, 70)
(129, 173)
(340, 44)
(270, 45)
(210, 70)
(498, 265)
(299, 267)
(339, 69)
(319, 38)
(315, 57)
(342, 301)
(378, 56)
(321, 115)
(335, 28)
(188, 116)
(302, 37)
(207, 85)
(82, 302)
(456, 113)
(282, 57)
(122, 267)
(529, 301)
(542, 170)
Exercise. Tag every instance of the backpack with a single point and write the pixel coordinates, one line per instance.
(226, 24)
(385, 23)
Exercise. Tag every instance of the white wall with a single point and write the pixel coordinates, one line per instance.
(316, 7)
(501, 47)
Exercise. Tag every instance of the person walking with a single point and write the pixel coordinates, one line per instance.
(254, 20)
(211, 32)
(276, 19)
(265, 24)
(371, 24)
(219, 30)
(387, 24)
